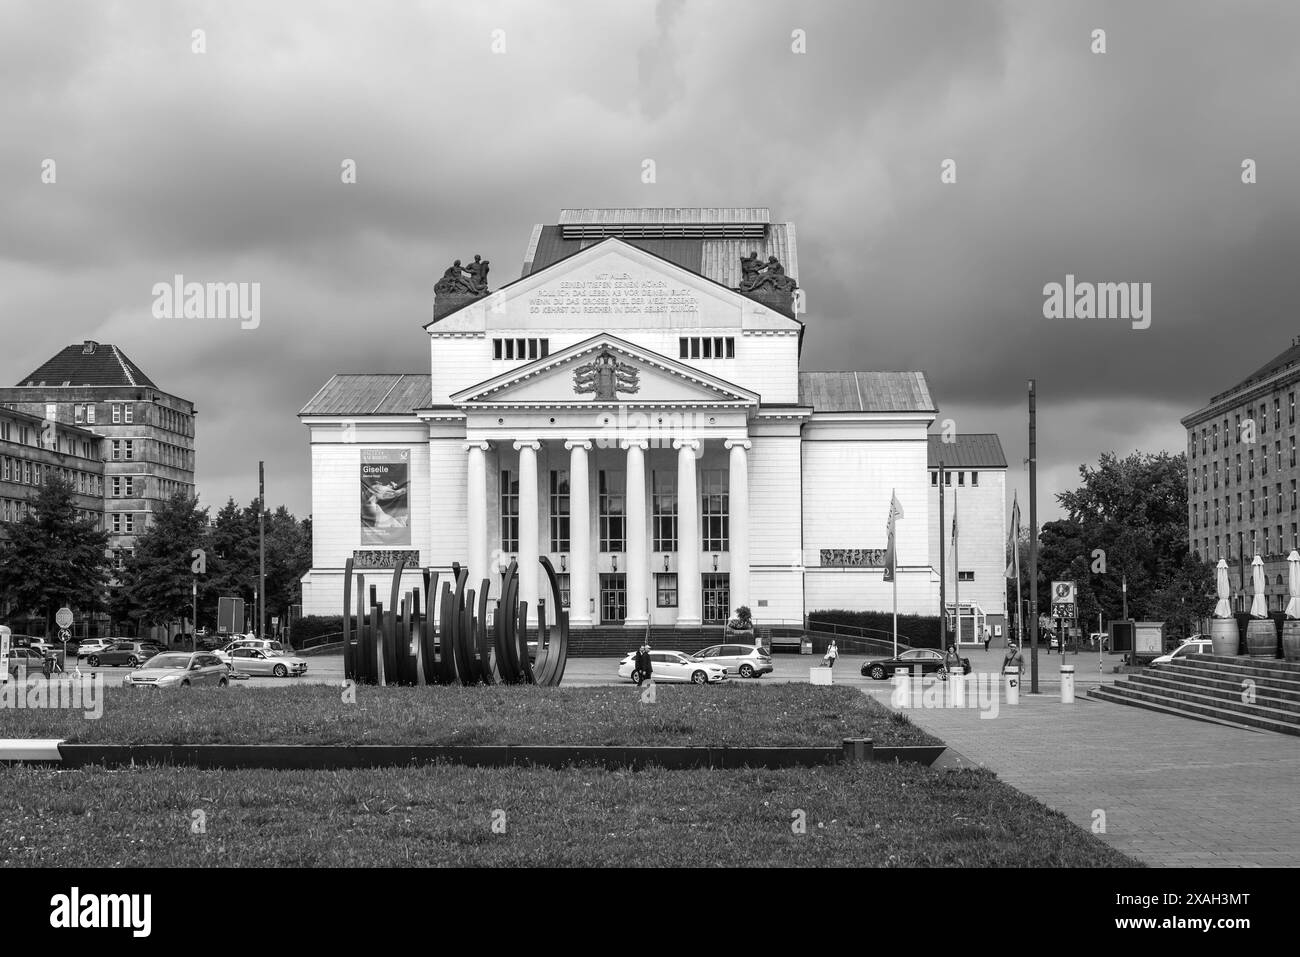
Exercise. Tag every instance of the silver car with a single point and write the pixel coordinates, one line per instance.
(255, 661)
(174, 669)
(748, 661)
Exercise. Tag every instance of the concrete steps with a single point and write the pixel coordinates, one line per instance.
(1255, 693)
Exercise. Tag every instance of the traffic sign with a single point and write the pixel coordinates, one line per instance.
(63, 617)
(1064, 609)
(1063, 592)
(65, 635)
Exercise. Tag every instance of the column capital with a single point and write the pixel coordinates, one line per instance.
(692, 444)
(641, 444)
(521, 444)
(738, 443)
(584, 444)
(482, 446)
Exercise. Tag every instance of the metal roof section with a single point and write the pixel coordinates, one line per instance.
(865, 392)
(981, 450)
(88, 363)
(372, 394)
(706, 240)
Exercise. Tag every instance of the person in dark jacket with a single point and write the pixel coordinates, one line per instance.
(644, 668)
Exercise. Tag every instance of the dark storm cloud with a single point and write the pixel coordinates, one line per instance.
(226, 166)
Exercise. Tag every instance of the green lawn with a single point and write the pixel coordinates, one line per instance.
(856, 815)
(727, 715)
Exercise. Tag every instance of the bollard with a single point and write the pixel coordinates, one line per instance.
(1067, 684)
(957, 688)
(1013, 684)
(902, 688)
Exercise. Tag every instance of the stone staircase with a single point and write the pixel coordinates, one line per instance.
(1256, 693)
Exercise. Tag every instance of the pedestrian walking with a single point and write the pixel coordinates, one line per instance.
(988, 637)
(1013, 658)
(831, 654)
(643, 669)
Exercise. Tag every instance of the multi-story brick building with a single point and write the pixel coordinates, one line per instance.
(147, 435)
(1242, 476)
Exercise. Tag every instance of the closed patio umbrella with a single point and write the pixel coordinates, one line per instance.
(1222, 609)
(1258, 604)
(1293, 581)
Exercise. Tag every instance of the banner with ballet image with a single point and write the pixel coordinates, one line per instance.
(385, 497)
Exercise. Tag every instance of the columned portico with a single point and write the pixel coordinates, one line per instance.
(580, 533)
(688, 536)
(528, 522)
(738, 496)
(476, 511)
(638, 555)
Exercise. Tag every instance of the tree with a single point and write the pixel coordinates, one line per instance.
(54, 557)
(1128, 521)
(157, 580)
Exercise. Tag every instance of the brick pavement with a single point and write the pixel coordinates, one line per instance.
(1175, 792)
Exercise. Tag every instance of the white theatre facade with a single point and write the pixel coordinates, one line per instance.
(624, 410)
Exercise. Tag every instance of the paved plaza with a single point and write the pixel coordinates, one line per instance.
(1175, 792)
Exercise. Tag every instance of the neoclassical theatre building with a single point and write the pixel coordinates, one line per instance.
(632, 406)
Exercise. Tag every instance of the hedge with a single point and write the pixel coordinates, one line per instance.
(919, 631)
(312, 626)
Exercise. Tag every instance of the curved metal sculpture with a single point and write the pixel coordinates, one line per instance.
(399, 645)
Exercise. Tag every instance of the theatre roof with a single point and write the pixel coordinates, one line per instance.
(975, 451)
(706, 240)
(372, 394)
(865, 392)
(88, 363)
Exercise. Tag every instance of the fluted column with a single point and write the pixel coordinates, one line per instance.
(476, 515)
(738, 515)
(580, 566)
(528, 531)
(688, 536)
(638, 557)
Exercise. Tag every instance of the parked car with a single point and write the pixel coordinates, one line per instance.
(255, 661)
(178, 669)
(748, 661)
(675, 666)
(35, 660)
(1196, 645)
(133, 653)
(929, 660)
(92, 645)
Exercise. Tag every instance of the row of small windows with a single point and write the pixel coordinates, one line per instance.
(947, 478)
(120, 557)
(126, 523)
(132, 450)
(521, 348)
(1274, 545)
(1205, 471)
(1201, 516)
(15, 510)
(707, 347)
(23, 472)
(715, 527)
(25, 435)
(1244, 431)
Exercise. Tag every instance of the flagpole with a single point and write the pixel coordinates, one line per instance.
(956, 567)
(892, 498)
(943, 564)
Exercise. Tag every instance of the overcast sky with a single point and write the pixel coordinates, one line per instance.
(225, 165)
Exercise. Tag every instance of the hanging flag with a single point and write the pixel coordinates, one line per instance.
(891, 561)
(954, 519)
(1013, 540)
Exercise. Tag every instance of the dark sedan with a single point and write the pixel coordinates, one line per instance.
(927, 659)
(132, 653)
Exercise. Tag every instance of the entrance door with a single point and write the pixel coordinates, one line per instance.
(716, 603)
(613, 597)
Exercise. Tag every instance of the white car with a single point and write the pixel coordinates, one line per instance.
(675, 666)
(1193, 646)
(226, 653)
(92, 645)
(256, 661)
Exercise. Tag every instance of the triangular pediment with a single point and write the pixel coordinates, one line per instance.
(605, 370)
(608, 286)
